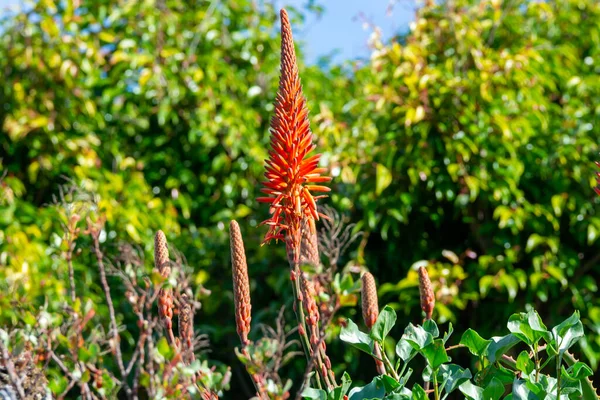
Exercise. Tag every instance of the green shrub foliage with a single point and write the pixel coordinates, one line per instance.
(466, 145)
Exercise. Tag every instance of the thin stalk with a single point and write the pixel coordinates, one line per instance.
(378, 363)
(388, 365)
(558, 362)
(111, 311)
(10, 368)
(435, 386)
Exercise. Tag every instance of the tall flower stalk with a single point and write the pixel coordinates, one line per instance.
(597, 188)
(426, 293)
(292, 176)
(370, 312)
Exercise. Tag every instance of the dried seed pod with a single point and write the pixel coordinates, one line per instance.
(163, 265)
(241, 285)
(186, 325)
(426, 291)
(161, 252)
(370, 305)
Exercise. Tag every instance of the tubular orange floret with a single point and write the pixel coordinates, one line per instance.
(291, 173)
(426, 291)
(241, 284)
(370, 304)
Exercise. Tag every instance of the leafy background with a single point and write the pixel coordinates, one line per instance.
(466, 145)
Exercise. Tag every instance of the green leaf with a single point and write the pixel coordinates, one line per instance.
(471, 392)
(523, 390)
(351, 334)
(339, 392)
(385, 322)
(494, 390)
(314, 394)
(164, 349)
(430, 326)
(579, 371)
(519, 326)
(475, 343)
(417, 336)
(567, 333)
(449, 333)
(506, 376)
(58, 384)
(500, 345)
(389, 383)
(404, 350)
(537, 326)
(435, 353)
(383, 179)
(453, 376)
(524, 363)
(418, 393)
(374, 390)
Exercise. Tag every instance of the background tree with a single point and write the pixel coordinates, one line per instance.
(466, 144)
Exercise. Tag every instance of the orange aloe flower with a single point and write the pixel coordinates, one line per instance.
(292, 175)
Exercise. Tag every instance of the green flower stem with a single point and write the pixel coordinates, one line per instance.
(558, 373)
(388, 365)
(435, 386)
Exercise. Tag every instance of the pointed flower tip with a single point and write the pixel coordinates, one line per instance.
(292, 172)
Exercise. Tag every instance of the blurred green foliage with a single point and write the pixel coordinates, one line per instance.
(465, 144)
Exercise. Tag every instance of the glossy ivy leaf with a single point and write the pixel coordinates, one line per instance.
(351, 334)
(448, 333)
(435, 353)
(475, 343)
(389, 383)
(529, 327)
(567, 333)
(339, 392)
(538, 327)
(418, 393)
(430, 326)
(506, 376)
(417, 336)
(385, 322)
(494, 390)
(569, 385)
(500, 345)
(471, 391)
(519, 326)
(404, 350)
(579, 371)
(399, 396)
(524, 390)
(374, 390)
(524, 363)
(314, 394)
(452, 376)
